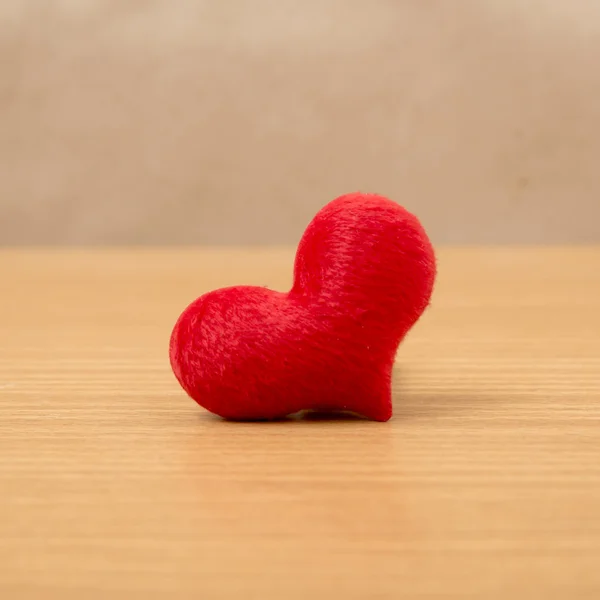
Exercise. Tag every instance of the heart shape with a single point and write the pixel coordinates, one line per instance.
(363, 275)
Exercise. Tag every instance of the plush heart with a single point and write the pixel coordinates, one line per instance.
(363, 275)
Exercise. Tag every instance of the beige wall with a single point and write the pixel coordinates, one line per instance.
(232, 121)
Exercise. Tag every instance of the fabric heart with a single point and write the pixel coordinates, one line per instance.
(363, 275)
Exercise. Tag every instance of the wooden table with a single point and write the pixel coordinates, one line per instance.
(113, 484)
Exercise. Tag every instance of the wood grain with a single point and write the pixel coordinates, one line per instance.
(486, 484)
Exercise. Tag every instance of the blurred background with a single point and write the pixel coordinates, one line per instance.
(233, 121)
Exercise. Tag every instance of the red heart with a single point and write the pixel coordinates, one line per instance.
(363, 275)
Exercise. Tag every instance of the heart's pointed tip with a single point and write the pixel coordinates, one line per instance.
(385, 418)
(382, 418)
(381, 413)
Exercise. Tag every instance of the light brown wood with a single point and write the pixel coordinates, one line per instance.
(113, 484)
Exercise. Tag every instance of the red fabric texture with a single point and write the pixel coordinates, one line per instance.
(363, 275)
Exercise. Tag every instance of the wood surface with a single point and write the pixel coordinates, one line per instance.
(113, 484)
